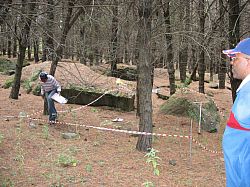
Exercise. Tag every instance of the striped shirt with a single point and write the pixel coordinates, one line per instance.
(50, 84)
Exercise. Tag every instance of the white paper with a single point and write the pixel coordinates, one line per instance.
(60, 99)
(117, 120)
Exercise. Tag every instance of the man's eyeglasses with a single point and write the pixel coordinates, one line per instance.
(233, 59)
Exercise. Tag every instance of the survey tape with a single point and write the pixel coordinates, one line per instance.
(132, 132)
(124, 131)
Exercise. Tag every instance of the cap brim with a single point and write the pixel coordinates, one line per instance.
(230, 52)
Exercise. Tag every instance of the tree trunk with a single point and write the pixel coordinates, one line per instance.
(36, 51)
(201, 62)
(9, 44)
(211, 68)
(49, 37)
(113, 54)
(82, 45)
(23, 41)
(18, 72)
(29, 51)
(14, 53)
(234, 37)
(183, 52)
(144, 76)
(97, 55)
(193, 63)
(3, 30)
(169, 48)
(44, 55)
(136, 59)
(222, 62)
(69, 21)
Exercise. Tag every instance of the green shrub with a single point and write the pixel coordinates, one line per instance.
(6, 65)
(27, 85)
(37, 90)
(8, 83)
(66, 160)
(35, 75)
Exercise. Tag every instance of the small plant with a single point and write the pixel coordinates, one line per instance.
(89, 168)
(73, 150)
(1, 137)
(152, 158)
(7, 183)
(187, 82)
(148, 184)
(57, 184)
(45, 130)
(94, 110)
(27, 85)
(47, 175)
(101, 163)
(6, 65)
(66, 160)
(37, 90)
(35, 75)
(19, 158)
(8, 83)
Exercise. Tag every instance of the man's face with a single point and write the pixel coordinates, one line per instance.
(240, 66)
(43, 79)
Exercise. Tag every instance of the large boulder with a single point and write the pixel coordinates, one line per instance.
(83, 97)
(186, 103)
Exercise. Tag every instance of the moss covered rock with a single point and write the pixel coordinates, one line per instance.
(182, 105)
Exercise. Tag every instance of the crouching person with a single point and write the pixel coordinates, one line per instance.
(49, 86)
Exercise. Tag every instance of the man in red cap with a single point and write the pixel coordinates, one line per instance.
(236, 138)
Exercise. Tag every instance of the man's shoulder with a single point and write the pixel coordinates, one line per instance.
(50, 77)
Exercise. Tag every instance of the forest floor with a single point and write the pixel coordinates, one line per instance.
(35, 154)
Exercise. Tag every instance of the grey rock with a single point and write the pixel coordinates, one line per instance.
(32, 125)
(69, 135)
(213, 85)
(172, 162)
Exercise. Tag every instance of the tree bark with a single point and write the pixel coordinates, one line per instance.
(27, 18)
(169, 47)
(14, 53)
(113, 54)
(36, 50)
(9, 44)
(82, 45)
(49, 36)
(222, 62)
(183, 53)
(201, 62)
(3, 42)
(29, 50)
(234, 37)
(144, 76)
(44, 55)
(69, 21)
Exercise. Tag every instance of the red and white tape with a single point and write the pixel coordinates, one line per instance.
(124, 131)
(132, 132)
